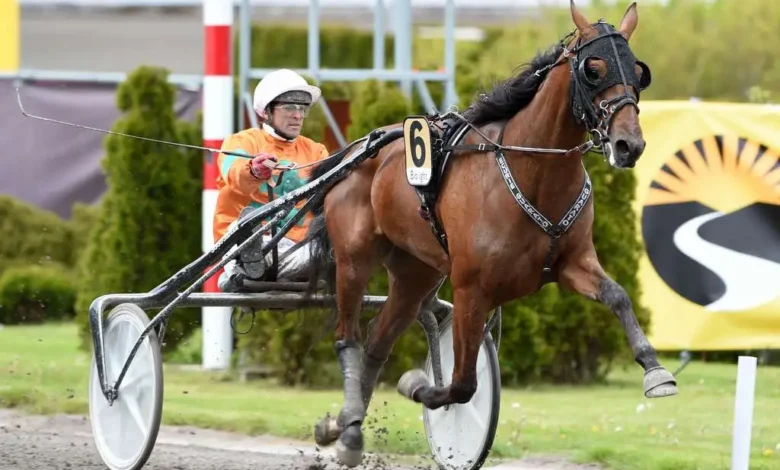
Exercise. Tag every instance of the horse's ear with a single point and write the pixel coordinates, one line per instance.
(583, 26)
(629, 21)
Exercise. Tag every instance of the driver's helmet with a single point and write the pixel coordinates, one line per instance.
(284, 86)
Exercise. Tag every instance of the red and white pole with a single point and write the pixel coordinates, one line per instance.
(217, 125)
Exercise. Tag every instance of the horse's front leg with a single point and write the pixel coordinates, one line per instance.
(584, 274)
(470, 310)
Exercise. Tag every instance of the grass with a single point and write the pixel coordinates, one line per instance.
(43, 372)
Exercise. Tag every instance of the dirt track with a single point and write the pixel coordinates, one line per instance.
(65, 442)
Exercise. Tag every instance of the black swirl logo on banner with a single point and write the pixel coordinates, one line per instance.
(711, 223)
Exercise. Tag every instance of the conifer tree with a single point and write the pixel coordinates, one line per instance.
(148, 225)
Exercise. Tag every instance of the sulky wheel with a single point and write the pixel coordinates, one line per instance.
(460, 436)
(125, 431)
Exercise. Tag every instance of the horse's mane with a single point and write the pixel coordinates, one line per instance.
(503, 102)
(515, 93)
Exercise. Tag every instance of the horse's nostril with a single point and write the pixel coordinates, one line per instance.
(622, 148)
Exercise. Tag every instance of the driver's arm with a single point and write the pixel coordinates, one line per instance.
(236, 170)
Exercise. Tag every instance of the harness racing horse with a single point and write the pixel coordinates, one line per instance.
(495, 244)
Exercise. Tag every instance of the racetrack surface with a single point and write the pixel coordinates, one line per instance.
(65, 442)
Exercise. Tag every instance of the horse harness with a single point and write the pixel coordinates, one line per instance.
(448, 131)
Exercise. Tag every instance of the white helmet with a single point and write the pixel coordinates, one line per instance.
(281, 82)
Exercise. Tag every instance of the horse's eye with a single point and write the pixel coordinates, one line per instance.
(589, 72)
(592, 73)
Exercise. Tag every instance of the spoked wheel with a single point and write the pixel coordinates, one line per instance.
(460, 436)
(125, 431)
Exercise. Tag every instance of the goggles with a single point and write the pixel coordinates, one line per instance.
(291, 108)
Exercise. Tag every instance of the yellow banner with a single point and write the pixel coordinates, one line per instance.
(9, 35)
(708, 201)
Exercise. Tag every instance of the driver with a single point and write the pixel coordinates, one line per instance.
(282, 101)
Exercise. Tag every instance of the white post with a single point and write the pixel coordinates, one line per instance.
(217, 125)
(743, 412)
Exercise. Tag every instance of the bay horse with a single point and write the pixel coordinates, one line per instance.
(496, 245)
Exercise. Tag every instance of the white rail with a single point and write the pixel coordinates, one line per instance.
(189, 81)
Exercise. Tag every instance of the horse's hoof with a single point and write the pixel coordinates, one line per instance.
(349, 448)
(326, 430)
(659, 383)
(411, 382)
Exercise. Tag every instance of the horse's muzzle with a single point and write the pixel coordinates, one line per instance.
(627, 151)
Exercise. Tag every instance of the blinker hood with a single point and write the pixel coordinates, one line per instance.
(611, 47)
(619, 58)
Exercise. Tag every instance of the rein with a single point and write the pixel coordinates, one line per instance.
(492, 146)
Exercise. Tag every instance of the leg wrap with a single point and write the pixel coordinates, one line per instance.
(349, 358)
(371, 369)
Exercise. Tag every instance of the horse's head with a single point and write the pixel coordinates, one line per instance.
(606, 79)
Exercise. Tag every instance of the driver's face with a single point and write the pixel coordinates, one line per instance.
(288, 117)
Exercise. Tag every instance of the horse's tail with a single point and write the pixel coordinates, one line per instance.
(322, 264)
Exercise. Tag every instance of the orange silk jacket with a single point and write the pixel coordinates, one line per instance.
(238, 188)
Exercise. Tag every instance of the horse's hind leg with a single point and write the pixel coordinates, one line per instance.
(352, 277)
(357, 252)
(409, 282)
(584, 274)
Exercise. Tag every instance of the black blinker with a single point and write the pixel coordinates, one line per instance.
(646, 79)
(583, 71)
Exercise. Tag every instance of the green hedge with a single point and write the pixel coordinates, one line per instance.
(148, 225)
(34, 294)
(377, 104)
(33, 236)
(38, 252)
(340, 47)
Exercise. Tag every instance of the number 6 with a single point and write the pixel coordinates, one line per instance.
(418, 144)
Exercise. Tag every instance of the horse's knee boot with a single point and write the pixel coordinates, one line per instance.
(659, 383)
(411, 383)
(353, 411)
(371, 369)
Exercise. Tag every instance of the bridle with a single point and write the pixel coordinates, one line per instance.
(618, 56)
(596, 119)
